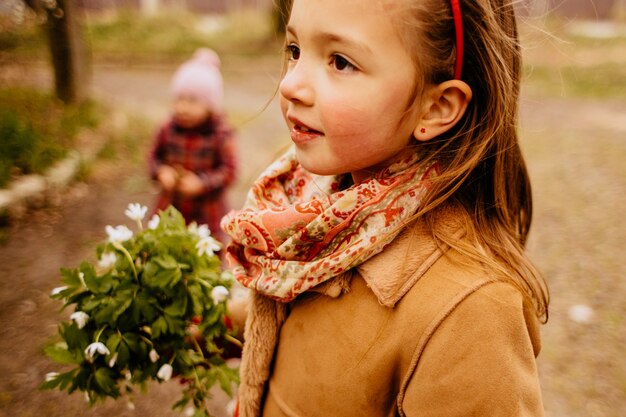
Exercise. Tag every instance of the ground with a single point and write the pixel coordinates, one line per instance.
(575, 149)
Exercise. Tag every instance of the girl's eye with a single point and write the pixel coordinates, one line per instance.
(293, 52)
(342, 64)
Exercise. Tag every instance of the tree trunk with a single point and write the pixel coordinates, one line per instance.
(68, 50)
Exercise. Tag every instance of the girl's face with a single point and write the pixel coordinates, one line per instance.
(190, 112)
(347, 88)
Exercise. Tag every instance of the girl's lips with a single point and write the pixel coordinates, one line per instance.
(301, 132)
(301, 135)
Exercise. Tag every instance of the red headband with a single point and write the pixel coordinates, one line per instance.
(458, 30)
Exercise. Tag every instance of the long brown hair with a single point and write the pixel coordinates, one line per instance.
(483, 167)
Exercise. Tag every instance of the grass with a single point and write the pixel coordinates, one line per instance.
(560, 61)
(37, 130)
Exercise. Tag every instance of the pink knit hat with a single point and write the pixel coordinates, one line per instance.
(200, 77)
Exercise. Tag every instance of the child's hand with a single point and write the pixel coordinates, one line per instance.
(167, 176)
(189, 184)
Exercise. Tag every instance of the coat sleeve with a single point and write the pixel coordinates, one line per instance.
(479, 360)
(156, 153)
(225, 173)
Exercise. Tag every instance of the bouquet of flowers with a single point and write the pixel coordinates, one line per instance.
(153, 307)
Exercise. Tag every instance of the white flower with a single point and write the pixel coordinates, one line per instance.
(119, 233)
(58, 290)
(80, 317)
(154, 356)
(81, 276)
(136, 211)
(208, 245)
(130, 405)
(153, 223)
(201, 231)
(219, 294)
(97, 347)
(113, 360)
(190, 411)
(51, 375)
(107, 259)
(165, 372)
(580, 313)
(204, 231)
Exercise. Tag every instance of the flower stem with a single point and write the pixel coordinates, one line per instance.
(100, 332)
(118, 246)
(145, 339)
(233, 340)
(197, 346)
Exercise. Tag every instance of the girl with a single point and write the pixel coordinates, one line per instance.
(385, 251)
(193, 155)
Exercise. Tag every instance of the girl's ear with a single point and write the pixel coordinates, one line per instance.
(443, 107)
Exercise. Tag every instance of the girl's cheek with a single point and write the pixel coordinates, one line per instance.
(345, 120)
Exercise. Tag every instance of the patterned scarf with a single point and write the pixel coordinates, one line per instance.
(298, 230)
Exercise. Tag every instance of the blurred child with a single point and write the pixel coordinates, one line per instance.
(385, 250)
(193, 156)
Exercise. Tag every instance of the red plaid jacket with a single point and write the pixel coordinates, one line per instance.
(207, 150)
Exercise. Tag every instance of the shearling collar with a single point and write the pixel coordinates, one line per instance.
(394, 271)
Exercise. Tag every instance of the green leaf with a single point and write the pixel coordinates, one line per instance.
(159, 327)
(113, 342)
(178, 307)
(70, 277)
(227, 377)
(59, 353)
(76, 339)
(144, 304)
(174, 324)
(123, 354)
(166, 261)
(104, 379)
(61, 381)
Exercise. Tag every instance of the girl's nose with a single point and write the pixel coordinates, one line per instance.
(297, 85)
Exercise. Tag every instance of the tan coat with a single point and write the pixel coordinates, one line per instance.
(417, 334)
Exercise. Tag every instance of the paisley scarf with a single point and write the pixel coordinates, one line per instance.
(298, 230)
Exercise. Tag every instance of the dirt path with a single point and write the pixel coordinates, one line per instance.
(575, 149)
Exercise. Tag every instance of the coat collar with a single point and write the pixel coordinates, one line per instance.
(394, 271)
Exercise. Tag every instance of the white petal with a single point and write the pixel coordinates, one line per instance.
(96, 347)
(113, 360)
(136, 211)
(208, 246)
(58, 290)
(165, 372)
(154, 356)
(51, 375)
(153, 223)
(204, 231)
(107, 259)
(119, 233)
(80, 318)
(219, 294)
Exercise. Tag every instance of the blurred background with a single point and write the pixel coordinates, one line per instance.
(84, 86)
